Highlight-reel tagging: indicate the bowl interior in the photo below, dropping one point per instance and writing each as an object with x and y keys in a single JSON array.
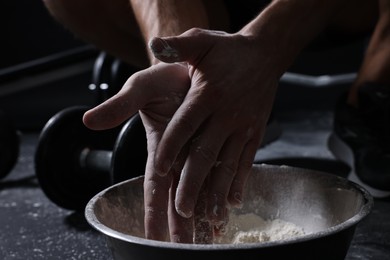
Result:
[{"x": 316, "y": 201}]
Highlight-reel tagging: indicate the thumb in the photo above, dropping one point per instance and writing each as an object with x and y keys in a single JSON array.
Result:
[
  {"x": 187, "y": 47},
  {"x": 106, "y": 115},
  {"x": 116, "y": 109}
]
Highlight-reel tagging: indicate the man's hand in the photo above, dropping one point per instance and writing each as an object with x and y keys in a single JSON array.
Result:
[
  {"x": 222, "y": 119},
  {"x": 156, "y": 93}
]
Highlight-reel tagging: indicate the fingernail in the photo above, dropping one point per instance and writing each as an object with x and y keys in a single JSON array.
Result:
[
  {"x": 164, "y": 169},
  {"x": 218, "y": 214},
  {"x": 220, "y": 229},
  {"x": 238, "y": 199},
  {"x": 182, "y": 209},
  {"x": 161, "y": 49},
  {"x": 183, "y": 213}
]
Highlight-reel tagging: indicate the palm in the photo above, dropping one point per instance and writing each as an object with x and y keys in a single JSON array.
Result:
[{"x": 156, "y": 93}]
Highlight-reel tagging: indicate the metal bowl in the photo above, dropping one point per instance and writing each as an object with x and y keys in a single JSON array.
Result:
[{"x": 326, "y": 206}]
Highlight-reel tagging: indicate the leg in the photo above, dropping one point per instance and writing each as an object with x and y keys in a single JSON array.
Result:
[
  {"x": 111, "y": 25},
  {"x": 376, "y": 64},
  {"x": 361, "y": 130}
]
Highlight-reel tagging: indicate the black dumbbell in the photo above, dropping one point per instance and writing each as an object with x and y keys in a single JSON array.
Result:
[
  {"x": 74, "y": 163},
  {"x": 108, "y": 76},
  {"x": 9, "y": 144}
]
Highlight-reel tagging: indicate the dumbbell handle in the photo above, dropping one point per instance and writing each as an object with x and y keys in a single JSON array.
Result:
[{"x": 97, "y": 160}]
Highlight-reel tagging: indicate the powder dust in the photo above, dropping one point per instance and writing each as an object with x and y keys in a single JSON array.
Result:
[{"x": 251, "y": 228}]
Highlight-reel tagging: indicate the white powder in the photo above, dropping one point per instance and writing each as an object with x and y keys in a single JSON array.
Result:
[{"x": 251, "y": 228}]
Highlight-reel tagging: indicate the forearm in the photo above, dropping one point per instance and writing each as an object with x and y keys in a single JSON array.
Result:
[
  {"x": 168, "y": 17},
  {"x": 285, "y": 27}
]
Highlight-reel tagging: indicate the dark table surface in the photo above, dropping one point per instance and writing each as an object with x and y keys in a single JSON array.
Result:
[{"x": 33, "y": 227}]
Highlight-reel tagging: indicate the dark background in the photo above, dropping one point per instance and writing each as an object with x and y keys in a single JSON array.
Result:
[{"x": 44, "y": 69}]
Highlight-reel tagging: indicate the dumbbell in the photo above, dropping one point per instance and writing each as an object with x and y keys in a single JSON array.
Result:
[
  {"x": 108, "y": 76},
  {"x": 74, "y": 163},
  {"x": 9, "y": 144}
]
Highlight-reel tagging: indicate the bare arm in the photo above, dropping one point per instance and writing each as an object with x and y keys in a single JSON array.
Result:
[
  {"x": 287, "y": 26},
  {"x": 264, "y": 49},
  {"x": 168, "y": 17}
]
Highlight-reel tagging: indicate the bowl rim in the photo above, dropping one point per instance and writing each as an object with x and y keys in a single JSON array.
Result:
[{"x": 345, "y": 225}]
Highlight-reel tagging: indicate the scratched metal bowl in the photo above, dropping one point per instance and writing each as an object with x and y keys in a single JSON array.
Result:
[{"x": 327, "y": 207}]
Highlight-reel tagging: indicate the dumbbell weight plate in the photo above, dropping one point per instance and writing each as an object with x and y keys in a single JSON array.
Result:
[
  {"x": 130, "y": 152},
  {"x": 101, "y": 74},
  {"x": 9, "y": 145},
  {"x": 57, "y": 159},
  {"x": 120, "y": 72}
]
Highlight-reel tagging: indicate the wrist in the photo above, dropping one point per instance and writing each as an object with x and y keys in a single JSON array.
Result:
[
  {"x": 168, "y": 18},
  {"x": 285, "y": 27}
]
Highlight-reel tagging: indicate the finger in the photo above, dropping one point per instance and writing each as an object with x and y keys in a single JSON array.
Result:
[
  {"x": 120, "y": 107},
  {"x": 220, "y": 230},
  {"x": 161, "y": 217},
  {"x": 156, "y": 205},
  {"x": 203, "y": 231},
  {"x": 180, "y": 228},
  {"x": 141, "y": 89},
  {"x": 222, "y": 176},
  {"x": 189, "y": 46},
  {"x": 183, "y": 125},
  {"x": 235, "y": 196},
  {"x": 156, "y": 195},
  {"x": 202, "y": 155}
]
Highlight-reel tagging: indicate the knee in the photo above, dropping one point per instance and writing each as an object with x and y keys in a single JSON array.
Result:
[
  {"x": 55, "y": 6},
  {"x": 68, "y": 12},
  {"x": 64, "y": 9}
]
